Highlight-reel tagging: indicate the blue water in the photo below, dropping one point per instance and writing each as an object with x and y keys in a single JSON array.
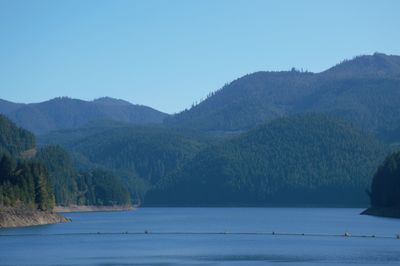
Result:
[{"x": 207, "y": 236}]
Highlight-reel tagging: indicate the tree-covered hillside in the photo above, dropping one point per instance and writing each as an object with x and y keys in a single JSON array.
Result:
[
  {"x": 364, "y": 91},
  {"x": 21, "y": 181},
  {"x": 308, "y": 159},
  {"x": 148, "y": 153},
  {"x": 62, "y": 174},
  {"x": 101, "y": 188},
  {"x": 385, "y": 189},
  {"x": 86, "y": 187},
  {"x": 140, "y": 155},
  {"x": 368, "y": 103},
  {"x": 14, "y": 140},
  {"x": 49, "y": 176}
]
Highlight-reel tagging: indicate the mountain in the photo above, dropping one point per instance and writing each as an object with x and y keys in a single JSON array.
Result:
[
  {"x": 66, "y": 113},
  {"x": 299, "y": 160},
  {"x": 364, "y": 91},
  {"x": 285, "y": 137}
]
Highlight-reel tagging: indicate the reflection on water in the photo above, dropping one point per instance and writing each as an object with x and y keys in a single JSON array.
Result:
[{"x": 207, "y": 236}]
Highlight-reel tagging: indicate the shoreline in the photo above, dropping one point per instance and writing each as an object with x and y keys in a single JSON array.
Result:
[
  {"x": 11, "y": 217},
  {"x": 382, "y": 212},
  {"x": 93, "y": 208}
]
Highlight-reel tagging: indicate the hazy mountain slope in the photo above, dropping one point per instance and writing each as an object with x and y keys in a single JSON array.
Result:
[
  {"x": 65, "y": 113},
  {"x": 308, "y": 159},
  {"x": 14, "y": 140},
  {"x": 67, "y": 137},
  {"x": 8, "y": 107},
  {"x": 365, "y": 91}
]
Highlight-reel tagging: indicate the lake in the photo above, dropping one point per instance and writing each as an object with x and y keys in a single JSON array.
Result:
[{"x": 207, "y": 236}]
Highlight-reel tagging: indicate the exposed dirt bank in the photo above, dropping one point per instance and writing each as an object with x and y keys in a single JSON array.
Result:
[{"x": 20, "y": 216}]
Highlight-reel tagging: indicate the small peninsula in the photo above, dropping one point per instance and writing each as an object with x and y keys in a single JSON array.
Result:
[{"x": 385, "y": 189}]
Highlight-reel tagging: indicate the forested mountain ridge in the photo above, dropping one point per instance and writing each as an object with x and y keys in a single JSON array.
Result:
[
  {"x": 65, "y": 113},
  {"x": 364, "y": 91},
  {"x": 299, "y": 160}
]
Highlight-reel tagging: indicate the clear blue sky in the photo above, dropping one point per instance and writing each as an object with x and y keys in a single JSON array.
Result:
[{"x": 168, "y": 54}]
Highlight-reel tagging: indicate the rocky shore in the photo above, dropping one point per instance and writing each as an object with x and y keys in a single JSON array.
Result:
[
  {"x": 19, "y": 217},
  {"x": 382, "y": 212},
  {"x": 90, "y": 208}
]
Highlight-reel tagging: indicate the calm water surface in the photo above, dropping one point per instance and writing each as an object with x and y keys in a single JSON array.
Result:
[{"x": 207, "y": 236}]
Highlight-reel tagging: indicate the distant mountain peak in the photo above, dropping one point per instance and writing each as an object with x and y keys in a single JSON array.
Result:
[
  {"x": 61, "y": 99},
  {"x": 102, "y": 100},
  {"x": 111, "y": 101},
  {"x": 378, "y": 64}
]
